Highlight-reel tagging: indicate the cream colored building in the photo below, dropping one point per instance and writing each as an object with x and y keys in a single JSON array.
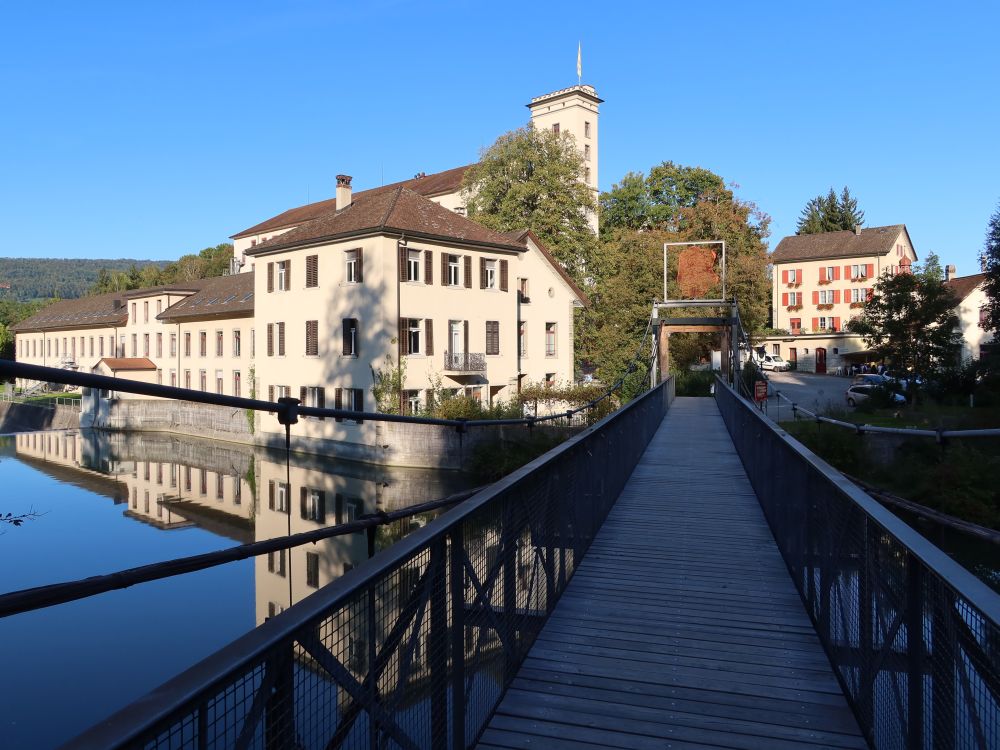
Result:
[
  {"x": 395, "y": 277},
  {"x": 821, "y": 281},
  {"x": 972, "y": 303}
]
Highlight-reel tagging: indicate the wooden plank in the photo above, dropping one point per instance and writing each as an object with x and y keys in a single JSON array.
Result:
[{"x": 681, "y": 626}]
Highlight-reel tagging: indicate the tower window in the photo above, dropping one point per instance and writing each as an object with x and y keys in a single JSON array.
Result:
[{"x": 586, "y": 129}]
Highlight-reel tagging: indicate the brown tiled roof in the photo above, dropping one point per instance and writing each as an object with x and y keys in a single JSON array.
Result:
[
  {"x": 180, "y": 287},
  {"x": 846, "y": 244},
  {"x": 963, "y": 286},
  {"x": 440, "y": 183},
  {"x": 85, "y": 312},
  {"x": 397, "y": 211},
  {"x": 222, "y": 296},
  {"x": 520, "y": 235},
  {"x": 129, "y": 363}
]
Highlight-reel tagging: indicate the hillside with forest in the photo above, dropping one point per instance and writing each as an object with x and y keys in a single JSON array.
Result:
[{"x": 29, "y": 279}]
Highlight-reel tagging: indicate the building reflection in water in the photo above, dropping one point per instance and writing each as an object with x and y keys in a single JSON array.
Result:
[{"x": 245, "y": 494}]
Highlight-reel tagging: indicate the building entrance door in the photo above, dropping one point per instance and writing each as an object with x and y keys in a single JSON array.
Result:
[{"x": 821, "y": 361}]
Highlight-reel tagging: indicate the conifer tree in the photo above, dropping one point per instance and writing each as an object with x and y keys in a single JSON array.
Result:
[{"x": 829, "y": 213}]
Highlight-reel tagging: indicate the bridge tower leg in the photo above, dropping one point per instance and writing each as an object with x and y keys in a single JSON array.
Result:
[{"x": 663, "y": 352}]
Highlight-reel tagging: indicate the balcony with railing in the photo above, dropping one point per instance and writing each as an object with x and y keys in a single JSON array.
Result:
[{"x": 464, "y": 362}]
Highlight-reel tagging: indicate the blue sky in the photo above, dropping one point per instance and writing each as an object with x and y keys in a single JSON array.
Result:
[{"x": 151, "y": 130}]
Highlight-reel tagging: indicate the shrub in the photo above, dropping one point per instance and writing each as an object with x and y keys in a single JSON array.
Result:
[
  {"x": 495, "y": 460},
  {"x": 697, "y": 383}
]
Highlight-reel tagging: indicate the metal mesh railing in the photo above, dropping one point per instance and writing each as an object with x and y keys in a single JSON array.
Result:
[
  {"x": 415, "y": 648},
  {"x": 913, "y": 637}
]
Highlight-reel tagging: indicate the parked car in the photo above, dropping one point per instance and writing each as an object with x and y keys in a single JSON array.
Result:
[
  {"x": 860, "y": 392},
  {"x": 773, "y": 362},
  {"x": 871, "y": 378}
]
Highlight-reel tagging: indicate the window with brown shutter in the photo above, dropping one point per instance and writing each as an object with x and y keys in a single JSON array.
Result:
[
  {"x": 428, "y": 267},
  {"x": 270, "y": 339},
  {"x": 503, "y": 276},
  {"x": 428, "y": 337},
  {"x": 312, "y": 338},
  {"x": 444, "y": 269},
  {"x": 482, "y": 273},
  {"x": 281, "y": 339},
  {"x": 270, "y": 393},
  {"x": 350, "y": 337},
  {"x": 338, "y": 401},
  {"x": 468, "y": 272},
  {"x": 270, "y": 277},
  {"x": 288, "y": 275},
  {"x": 492, "y": 336},
  {"x": 302, "y": 395},
  {"x": 312, "y": 270},
  {"x": 361, "y": 265}
]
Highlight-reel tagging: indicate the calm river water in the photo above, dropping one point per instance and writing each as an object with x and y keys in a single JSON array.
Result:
[{"x": 106, "y": 502}]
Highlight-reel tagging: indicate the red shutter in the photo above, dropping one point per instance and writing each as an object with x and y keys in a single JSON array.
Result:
[
  {"x": 503, "y": 276},
  {"x": 847, "y": 295},
  {"x": 815, "y": 324},
  {"x": 836, "y": 273},
  {"x": 836, "y": 296},
  {"x": 428, "y": 267},
  {"x": 784, "y": 277},
  {"x": 871, "y": 270},
  {"x": 784, "y": 299},
  {"x": 798, "y": 276},
  {"x": 815, "y": 298},
  {"x": 847, "y": 272},
  {"x": 429, "y": 336},
  {"x": 836, "y": 324},
  {"x": 822, "y": 273}
]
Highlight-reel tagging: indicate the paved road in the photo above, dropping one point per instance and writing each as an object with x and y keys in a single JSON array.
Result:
[{"x": 814, "y": 392}]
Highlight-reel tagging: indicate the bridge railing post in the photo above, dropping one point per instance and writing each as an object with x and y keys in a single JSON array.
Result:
[{"x": 456, "y": 581}]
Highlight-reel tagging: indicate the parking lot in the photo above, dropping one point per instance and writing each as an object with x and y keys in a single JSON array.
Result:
[{"x": 814, "y": 392}]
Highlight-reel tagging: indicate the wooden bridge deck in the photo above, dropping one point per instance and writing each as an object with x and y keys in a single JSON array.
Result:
[{"x": 682, "y": 627}]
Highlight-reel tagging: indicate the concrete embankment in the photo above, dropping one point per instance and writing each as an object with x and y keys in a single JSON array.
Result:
[{"x": 16, "y": 417}]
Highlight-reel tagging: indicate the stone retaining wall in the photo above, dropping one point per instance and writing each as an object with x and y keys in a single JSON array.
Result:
[{"x": 16, "y": 417}]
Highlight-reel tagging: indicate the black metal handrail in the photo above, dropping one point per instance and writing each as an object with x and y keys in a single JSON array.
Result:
[
  {"x": 415, "y": 647},
  {"x": 914, "y": 638}
]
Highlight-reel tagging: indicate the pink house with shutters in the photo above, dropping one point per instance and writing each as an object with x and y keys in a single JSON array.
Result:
[{"x": 821, "y": 281}]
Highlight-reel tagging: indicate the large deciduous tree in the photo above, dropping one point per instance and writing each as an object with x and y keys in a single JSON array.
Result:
[
  {"x": 830, "y": 213},
  {"x": 989, "y": 259},
  {"x": 675, "y": 204},
  {"x": 910, "y": 322},
  {"x": 532, "y": 179}
]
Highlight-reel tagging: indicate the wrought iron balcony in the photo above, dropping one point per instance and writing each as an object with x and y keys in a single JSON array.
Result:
[{"x": 464, "y": 362}]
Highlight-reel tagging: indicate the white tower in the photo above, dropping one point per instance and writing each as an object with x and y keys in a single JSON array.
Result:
[{"x": 573, "y": 110}]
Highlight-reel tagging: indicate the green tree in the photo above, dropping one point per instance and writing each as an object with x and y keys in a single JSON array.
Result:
[
  {"x": 210, "y": 262},
  {"x": 627, "y": 272},
  {"x": 6, "y": 343},
  {"x": 531, "y": 178},
  {"x": 910, "y": 322},
  {"x": 830, "y": 213},
  {"x": 931, "y": 268},
  {"x": 989, "y": 259},
  {"x": 655, "y": 202}
]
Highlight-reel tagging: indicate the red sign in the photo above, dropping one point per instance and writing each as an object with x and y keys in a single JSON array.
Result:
[{"x": 760, "y": 390}]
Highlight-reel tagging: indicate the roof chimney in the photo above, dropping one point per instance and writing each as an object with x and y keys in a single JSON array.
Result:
[
  {"x": 857, "y": 230},
  {"x": 343, "y": 191},
  {"x": 949, "y": 272}
]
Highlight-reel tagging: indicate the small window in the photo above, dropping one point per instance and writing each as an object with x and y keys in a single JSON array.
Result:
[
  {"x": 237, "y": 344},
  {"x": 550, "y": 339},
  {"x": 203, "y": 380},
  {"x": 312, "y": 570},
  {"x": 276, "y": 562},
  {"x": 776, "y": 349},
  {"x": 218, "y": 343},
  {"x": 795, "y": 324},
  {"x": 202, "y": 343},
  {"x": 413, "y": 265},
  {"x": 492, "y": 336},
  {"x": 586, "y": 152},
  {"x": 413, "y": 335},
  {"x": 350, "y": 336},
  {"x": 284, "y": 272},
  {"x": 237, "y": 383},
  {"x": 586, "y": 129},
  {"x": 454, "y": 271},
  {"x": 412, "y": 402},
  {"x": 792, "y": 276},
  {"x": 352, "y": 273},
  {"x": 489, "y": 271},
  {"x": 555, "y": 128}
]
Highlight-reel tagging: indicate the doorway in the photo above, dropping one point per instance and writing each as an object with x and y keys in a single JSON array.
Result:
[{"x": 821, "y": 361}]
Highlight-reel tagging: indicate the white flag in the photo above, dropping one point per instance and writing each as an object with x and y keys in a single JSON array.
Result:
[{"x": 579, "y": 62}]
